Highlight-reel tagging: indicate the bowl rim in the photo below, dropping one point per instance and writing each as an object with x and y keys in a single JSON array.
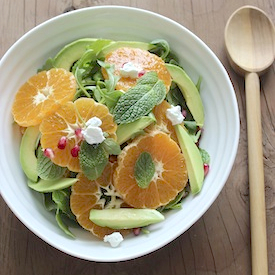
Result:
[{"x": 230, "y": 163}]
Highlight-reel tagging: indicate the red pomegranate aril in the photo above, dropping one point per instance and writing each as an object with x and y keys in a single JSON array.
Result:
[
  {"x": 62, "y": 143},
  {"x": 136, "y": 231},
  {"x": 48, "y": 152},
  {"x": 75, "y": 151},
  {"x": 205, "y": 168},
  {"x": 78, "y": 133},
  {"x": 141, "y": 73}
]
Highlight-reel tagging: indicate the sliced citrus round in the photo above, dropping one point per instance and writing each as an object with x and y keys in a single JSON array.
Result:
[
  {"x": 162, "y": 122},
  {"x": 141, "y": 59},
  {"x": 97, "y": 194},
  {"x": 42, "y": 95},
  {"x": 170, "y": 176},
  {"x": 61, "y": 131}
]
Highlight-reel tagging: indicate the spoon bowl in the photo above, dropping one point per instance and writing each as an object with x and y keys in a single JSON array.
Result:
[{"x": 249, "y": 41}]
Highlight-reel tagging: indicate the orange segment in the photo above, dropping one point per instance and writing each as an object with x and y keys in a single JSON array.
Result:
[
  {"x": 140, "y": 59},
  {"x": 170, "y": 171},
  {"x": 87, "y": 195},
  {"x": 42, "y": 95},
  {"x": 65, "y": 121},
  {"x": 162, "y": 122}
]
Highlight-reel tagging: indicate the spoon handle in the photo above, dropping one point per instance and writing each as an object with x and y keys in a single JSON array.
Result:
[{"x": 256, "y": 176}]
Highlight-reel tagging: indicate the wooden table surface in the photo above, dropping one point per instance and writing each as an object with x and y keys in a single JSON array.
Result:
[{"x": 219, "y": 243}]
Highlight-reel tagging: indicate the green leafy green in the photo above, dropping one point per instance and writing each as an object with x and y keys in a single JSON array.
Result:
[
  {"x": 161, "y": 48},
  {"x": 93, "y": 159},
  {"x": 140, "y": 99},
  {"x": 62, "y": 200},
  {"x": 205, "y": 156},
  {"x": 104, "y": 91},
  {"x": 60, "y": 221},
  {"x": 111, "y": 146},
  {"x": 176, "y": 203},
  {"x": 144, "y": 169},
  {"x": 46, "y": 169}
]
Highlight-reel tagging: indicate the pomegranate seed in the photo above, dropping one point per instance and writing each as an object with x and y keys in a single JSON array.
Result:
[
  {"x": 78, "y": 133},
  {"x": 184, "y": 113},
  {"x": 136, "y": 231},
  {"x": 48, "y": 152},
  {"x": 62, "y": 143},
  {"x": 141, "y": 73},
  {"x": 75, "y": 151},
  {"x": 205, "y": 168}
]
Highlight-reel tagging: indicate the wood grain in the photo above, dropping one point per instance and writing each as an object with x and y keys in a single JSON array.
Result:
[{"x": 219, "y": 243}]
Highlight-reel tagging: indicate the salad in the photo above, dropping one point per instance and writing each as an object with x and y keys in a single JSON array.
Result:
[{"x": 110, "y": 135}]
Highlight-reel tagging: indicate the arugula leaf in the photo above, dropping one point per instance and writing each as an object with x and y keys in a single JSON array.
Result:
[
  {"x": 59, "y": 219},
  {"x": 144, "y": 170},
  {"x": 46, "y": 169},
  {"x": 62, "y": 200},
  {"x": 161, "y": 48},
  {"x": 140, "y": 99},
  {"x": 93, "y": 159}
]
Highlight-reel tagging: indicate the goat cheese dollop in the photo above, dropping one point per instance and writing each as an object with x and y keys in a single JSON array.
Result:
[
  {"x": 175, "y": 115},
  {"x": 114, "y": 239},
  {"x": 130, "y": 70},
  {"x": 93, "y": 134}
]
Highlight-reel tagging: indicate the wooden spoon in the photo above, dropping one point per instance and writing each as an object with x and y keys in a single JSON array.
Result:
[{"x": 249, "y": 40}]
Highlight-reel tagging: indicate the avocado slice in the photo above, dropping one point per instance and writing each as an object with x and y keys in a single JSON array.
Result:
[
  {"x": 193, "y": 159},
  {"x": 46, "y": 186},
  {"x": 130, "y": 130},
  {"x": 28, "y": 158},
  {"x": 189, "y": 91},
  {"x": 125, "y": 218},
  {"x": 119, "y": 44},
  {"x": 73, "y": 51}
]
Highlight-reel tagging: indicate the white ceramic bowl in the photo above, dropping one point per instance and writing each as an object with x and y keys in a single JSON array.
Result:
[{"x": 220, "y": 137}]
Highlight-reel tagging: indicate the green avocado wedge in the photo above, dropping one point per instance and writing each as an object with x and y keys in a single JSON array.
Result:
[
  {"x": 130, "y": 130},
  {"x": 193, "y": 159},
  {"x": 72, "y": 52},
  {"x": 189, "y": 91},
  {"x": 28, "y": 159},
  {"x": 46, "y": 186},
  {"x": 125, "y": 218}
]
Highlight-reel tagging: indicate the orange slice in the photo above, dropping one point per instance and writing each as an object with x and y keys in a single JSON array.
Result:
[
  {"x": 87, "y": 195},
  {"x": 140, "y": 59},
  {"x": 170, "y": 171},
  {"x": 42, "y": 95},
  {"x": 66, "y": 123},
  {"x": 162, "y": 122}
]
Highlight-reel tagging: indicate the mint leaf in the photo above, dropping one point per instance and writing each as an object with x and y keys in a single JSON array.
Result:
[
  {"x": 144, "y": 170},
  {"x": 140, "y": 99},
  {"x": 46, "y": 169},
  {"x": 205, "y": 156},
  {"x": 93, "y": 159},
  {"x": 111, "y": 146}
]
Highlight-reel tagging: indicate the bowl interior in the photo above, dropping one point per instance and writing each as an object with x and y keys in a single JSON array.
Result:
[{"x": 220, "y": 136}]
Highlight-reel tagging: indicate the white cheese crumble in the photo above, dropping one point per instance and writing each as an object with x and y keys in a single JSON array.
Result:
[
  {"x": 130, "y": 70},
  {"x": 175, "y": 115},
  {"x": 93, "y": 134},
  {"x": 114, "y": 239}
]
